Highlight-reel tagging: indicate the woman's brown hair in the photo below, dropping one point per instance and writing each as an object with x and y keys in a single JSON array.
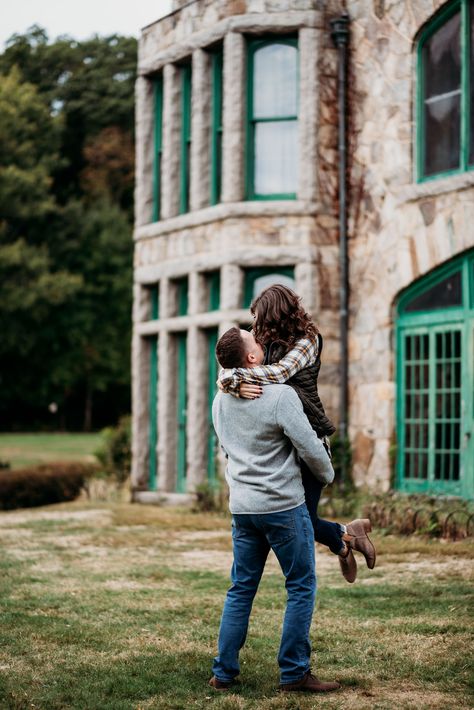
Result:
[{"x": 279, "y": 315}]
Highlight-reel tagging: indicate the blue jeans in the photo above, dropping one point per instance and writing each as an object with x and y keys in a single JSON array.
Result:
[
  {"x": 325, "y": 532},
  {"x": 290, "y": 535}
]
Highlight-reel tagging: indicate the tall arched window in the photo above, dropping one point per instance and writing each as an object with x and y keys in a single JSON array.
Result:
[
  {"x": 435, "y": 382},
  {"x": 272, "y": 125},
  {"x": 445, "y": 106}
]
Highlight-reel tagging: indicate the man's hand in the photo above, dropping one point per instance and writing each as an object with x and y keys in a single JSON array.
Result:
[{"x": 247, "y": 391}]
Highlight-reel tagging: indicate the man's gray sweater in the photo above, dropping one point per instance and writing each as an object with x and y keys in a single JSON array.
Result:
[{"x": 261, "y": 439}]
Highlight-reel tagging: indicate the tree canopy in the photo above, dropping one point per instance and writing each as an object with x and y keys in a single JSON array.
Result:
[{"x": 66, "y": 203}]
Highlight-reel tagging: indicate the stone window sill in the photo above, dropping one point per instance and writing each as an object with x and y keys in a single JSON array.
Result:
[
  {"x": 276, "y": 208},
  {"x": 433, "y": 188}
]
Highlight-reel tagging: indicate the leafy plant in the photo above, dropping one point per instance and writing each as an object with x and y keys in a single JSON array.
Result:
[
  {"x": 115, "y": 454},
  {"x": 43, "y": 485}
]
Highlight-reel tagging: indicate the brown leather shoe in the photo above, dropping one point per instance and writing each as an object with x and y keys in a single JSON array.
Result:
[
  {"x": 348, "y": 565},
  {"x": 357, "y": 539},
  {"x": 222, "y": 685},
  {"x": 309, "y": 684}
]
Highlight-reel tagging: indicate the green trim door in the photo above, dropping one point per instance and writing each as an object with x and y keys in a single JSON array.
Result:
[
  {"x": 152, "y": 413},
  {"x": 211, "y": 335},
  {"x": 435, "y": 382},
  {"x": 182, "y": 403}
]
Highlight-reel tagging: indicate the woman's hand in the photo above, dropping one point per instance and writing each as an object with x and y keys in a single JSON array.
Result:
[{"x": 250, "y": 391}]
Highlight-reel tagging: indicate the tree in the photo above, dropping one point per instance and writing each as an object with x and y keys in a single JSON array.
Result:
[
  {"x": 29, "y": 143},
  {"x": 66, "y": 199},
  {"x": 89, "y": 84}
]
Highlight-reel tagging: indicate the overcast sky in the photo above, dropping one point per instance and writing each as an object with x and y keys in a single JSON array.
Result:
[{"x": 80, "y": 18}]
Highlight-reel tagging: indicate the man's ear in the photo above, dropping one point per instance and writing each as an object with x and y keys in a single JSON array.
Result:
[{"x": 251, "y": 358}]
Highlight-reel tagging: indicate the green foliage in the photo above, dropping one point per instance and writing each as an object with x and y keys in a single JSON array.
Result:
[
  {"x": 420, "y": 514},
  {"x": 211, "y": 498},
  {"x": 89, "y": 84},
  {"x": 29, "y": 143},
  {"x": 115, "y": 453},
  {"x": 341, "y": 453},
  {"x": 66, "y": 199},
  {"x": 42, "y": 485}
]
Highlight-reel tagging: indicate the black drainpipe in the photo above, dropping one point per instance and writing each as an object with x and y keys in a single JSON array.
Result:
[{"x": 340, "y": 37}]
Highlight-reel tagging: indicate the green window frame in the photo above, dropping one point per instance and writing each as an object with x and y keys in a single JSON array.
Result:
[
  {"x": 181, "y": 286},
  {"x": 181, "y": 414},
  {"x": 212, "y": 442},
  {"x": 152, "y": 413},
  {"x": 154, "y": 302},
  {"x": 466, "y": 163},
  {"x": 158, "y": 146},
  {"x": 216, "y": 126},
  {"x": 435, "y": 384},
  {"x": 186, "y": 92},
  {"x": 251, "y": 275},
  {"x": 252, "y": 122},
  {"x": 213, "y": 283}
]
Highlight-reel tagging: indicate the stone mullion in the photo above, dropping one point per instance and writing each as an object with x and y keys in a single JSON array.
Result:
[
  {"x": 197, "y": 378},
  {"x": 140, "y": 418},
  {"x": 233, "y": 143},
  {"x": 196, "y": 294},
  {"x": 308, "y": 44},
  {"x": 144, "y": 128},
  {"x": 305, "y": 284},
  {"x": 171, "y": 141},
  {"x": 200, "y": 129},
  {"x": 232, "y": 286},
  {"x": 167, "y": 416}
]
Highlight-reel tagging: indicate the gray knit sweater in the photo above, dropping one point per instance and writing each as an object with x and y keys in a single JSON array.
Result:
[{"x": 261, "y": 439}]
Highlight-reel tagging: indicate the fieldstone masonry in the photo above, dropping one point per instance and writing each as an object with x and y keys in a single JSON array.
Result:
[{"x": 399, "y": 230}]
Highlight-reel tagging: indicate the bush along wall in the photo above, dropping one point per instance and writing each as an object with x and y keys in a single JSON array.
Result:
[{"x": 43, "y": 485}]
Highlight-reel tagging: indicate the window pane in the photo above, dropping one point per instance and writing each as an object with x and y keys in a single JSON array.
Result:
[
  {"x": 442, "y": 134},
  {"x": 264, "y": 282},
  {"x": 443, "y": 294},
  {"x": 441, "y": 56},
  {"x": 276, "y": 158},
  {"x": 275, "y": 81},
  {"x": 442, "y": 59}
]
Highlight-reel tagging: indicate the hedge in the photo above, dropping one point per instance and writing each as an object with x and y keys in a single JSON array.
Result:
[{"x": 43, "y": 485}]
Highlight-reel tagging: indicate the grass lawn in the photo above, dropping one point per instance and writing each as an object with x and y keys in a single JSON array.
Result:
[
  {"x": 117, "y": 607},
  {"x": 31, "y": 449}
]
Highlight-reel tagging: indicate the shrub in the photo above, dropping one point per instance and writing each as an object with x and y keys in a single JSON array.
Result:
[
  {"x": 212, "y": 497},
  {"x": 43, "y": 485},
  {"x": 399, "y": 513},
  {"x": 115, "y": 454},
  {"x": 341, "y": 453}
]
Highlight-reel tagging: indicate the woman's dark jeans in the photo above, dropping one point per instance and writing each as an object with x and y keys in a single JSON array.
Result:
[{"x": 326, "y": 533}]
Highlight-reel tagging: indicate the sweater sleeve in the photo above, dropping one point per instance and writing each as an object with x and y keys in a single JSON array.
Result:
[
  {"x": 304, "y": 353},
  {"x": 295, "y": 425}
]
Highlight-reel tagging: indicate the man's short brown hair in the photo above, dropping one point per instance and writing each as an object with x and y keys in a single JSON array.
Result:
[{"x": 230, "y": 349}]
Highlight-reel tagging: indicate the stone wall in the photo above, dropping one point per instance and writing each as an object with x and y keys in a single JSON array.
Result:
[{"x": 399, "y": 230}]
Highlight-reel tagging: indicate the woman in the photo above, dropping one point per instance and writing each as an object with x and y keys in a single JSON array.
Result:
[{"x": 293, "y": 349}]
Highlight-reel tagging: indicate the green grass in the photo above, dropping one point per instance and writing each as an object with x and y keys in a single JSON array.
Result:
[
  {"x": 31, "y": 449},
  {"x": 117, "y": 607}
]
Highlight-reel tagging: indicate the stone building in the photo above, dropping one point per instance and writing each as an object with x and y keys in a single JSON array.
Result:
[{"x": 237, "y": 187}]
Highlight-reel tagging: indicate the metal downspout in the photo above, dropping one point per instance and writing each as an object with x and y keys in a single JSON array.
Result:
[{"x": 340, "y": 37}]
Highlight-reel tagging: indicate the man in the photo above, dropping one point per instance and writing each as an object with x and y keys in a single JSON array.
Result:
[{"x": 261, "y": 439}]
